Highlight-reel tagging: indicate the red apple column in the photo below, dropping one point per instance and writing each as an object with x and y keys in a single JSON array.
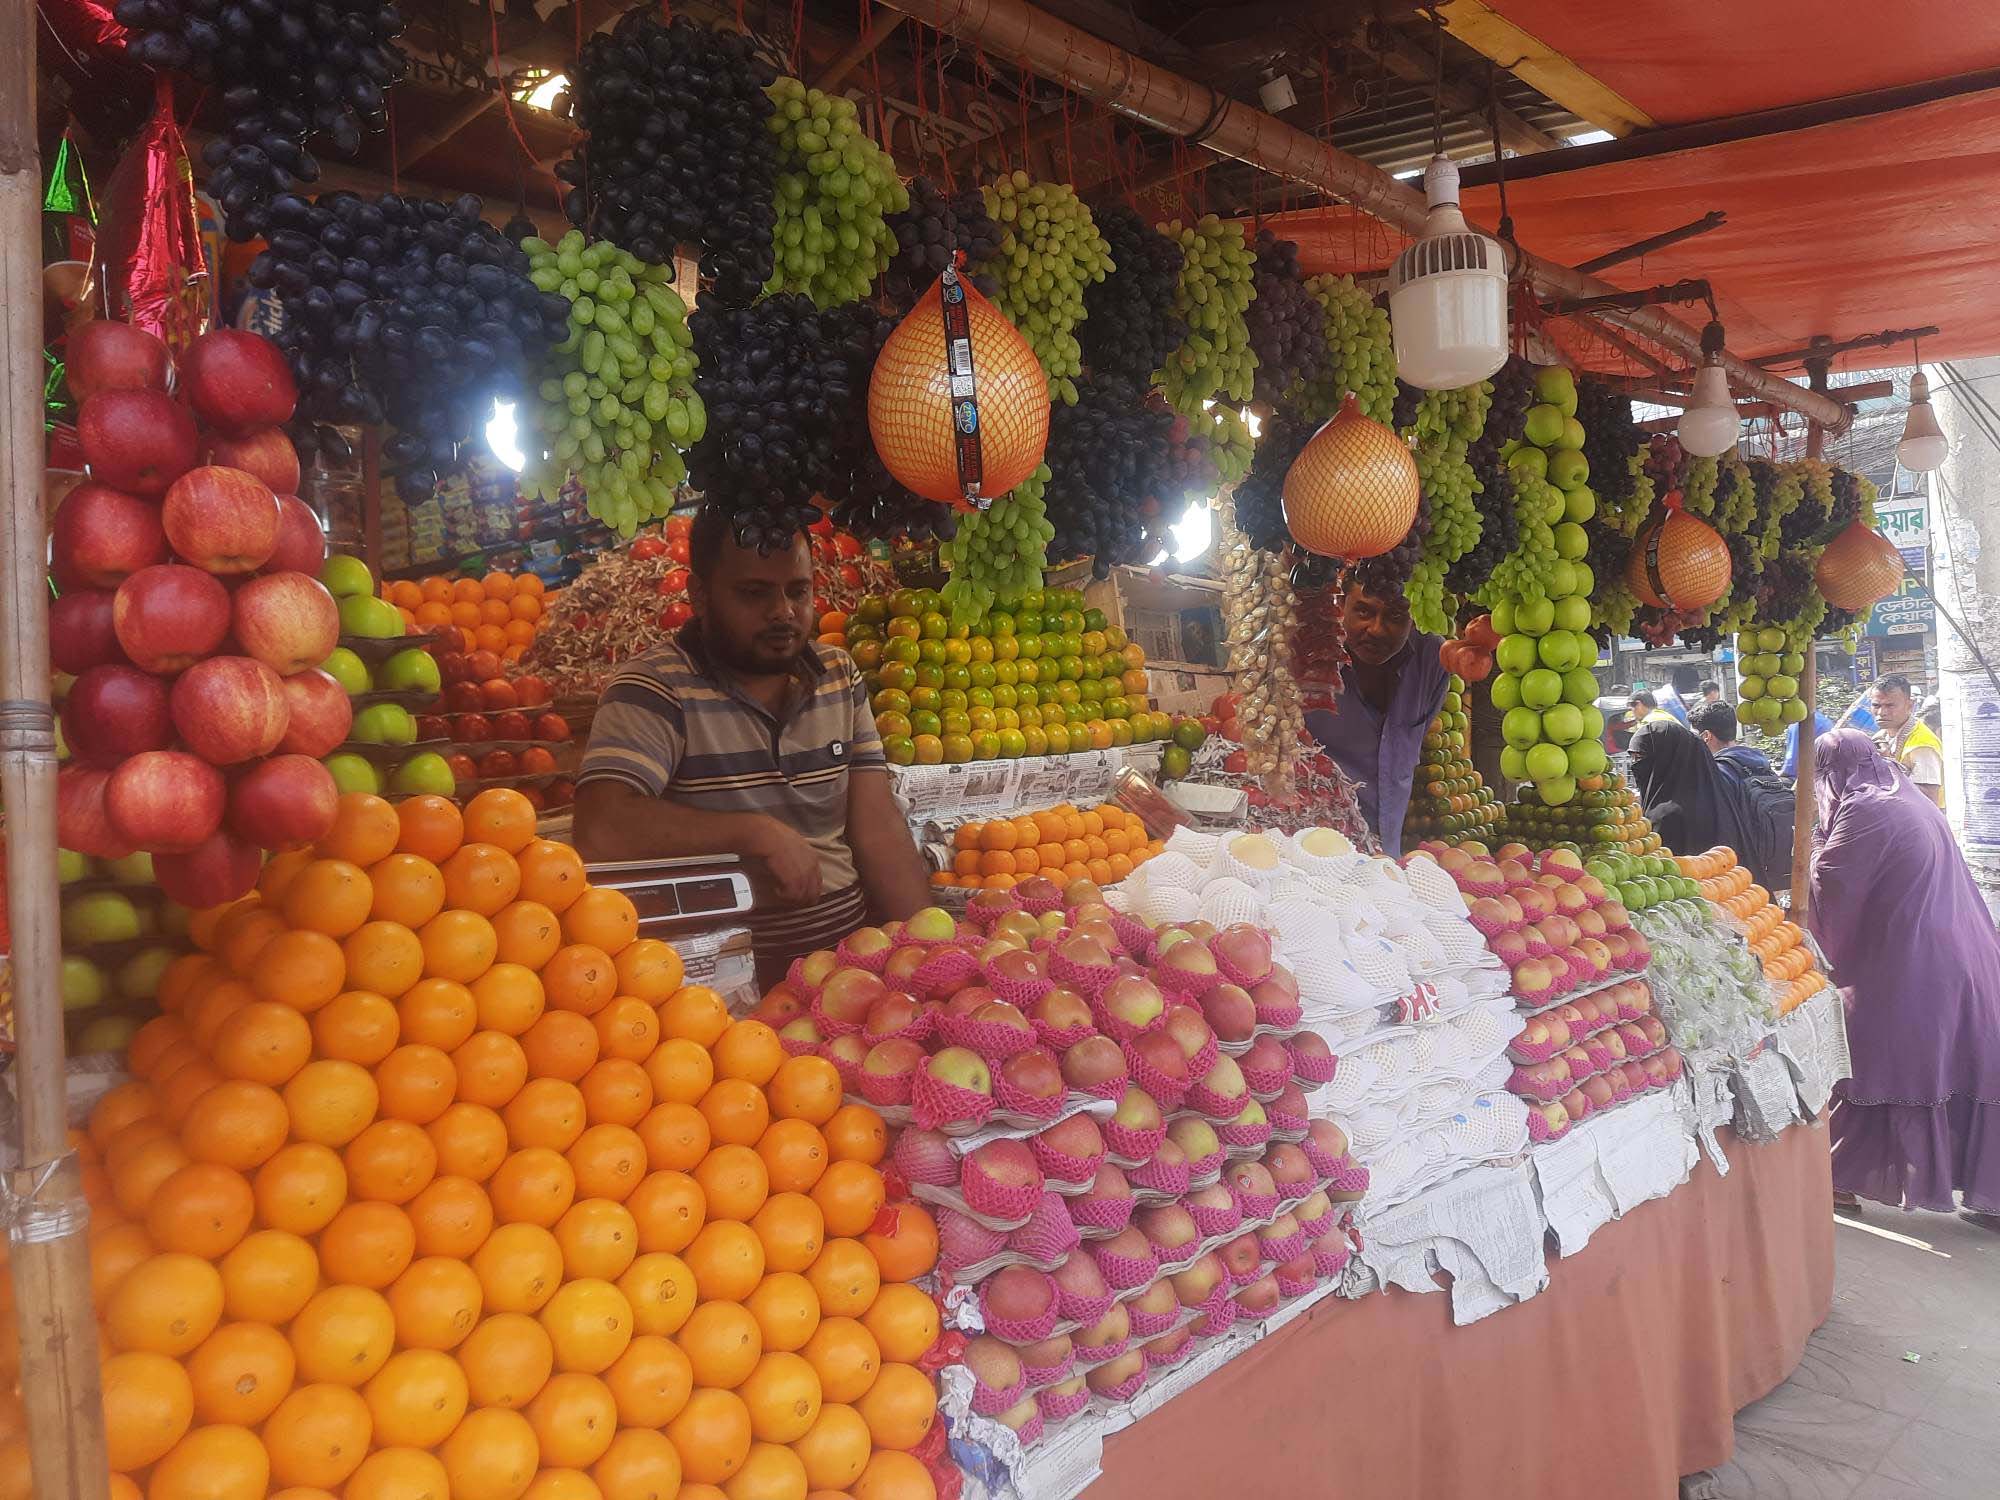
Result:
[{"x": 48, "y": 1252}]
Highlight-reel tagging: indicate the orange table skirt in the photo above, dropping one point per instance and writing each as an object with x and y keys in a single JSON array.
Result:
[{"x": 1624, "y": 1374}]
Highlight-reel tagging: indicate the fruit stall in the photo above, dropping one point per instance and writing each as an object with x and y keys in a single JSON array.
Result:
[{"x": 364, "y": 1141}]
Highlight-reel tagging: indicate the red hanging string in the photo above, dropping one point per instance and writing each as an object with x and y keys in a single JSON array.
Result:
[
  {"x": 500, "y": 78},
  {"x": 1021, "y": 112},
  {"x": 1069, "y": 108},
  {"x": 666, "y": 11},
  {"x": 798, "y": 35},
  {"x": 982, "y": 72},
  {"x": 395, "y": 167}
]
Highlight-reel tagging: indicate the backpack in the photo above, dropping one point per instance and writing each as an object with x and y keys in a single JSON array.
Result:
[{"x": 1771, "y": 805}]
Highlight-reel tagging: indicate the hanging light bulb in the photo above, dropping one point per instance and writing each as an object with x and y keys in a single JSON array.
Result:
[
  {"x": 1448, "y": 295},
  {"x": 1923, "y": 446},
  {"x": 1709, "y": 425}
]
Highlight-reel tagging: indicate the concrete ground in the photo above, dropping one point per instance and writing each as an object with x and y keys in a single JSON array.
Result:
[{"x": 1898, "y": 1397}]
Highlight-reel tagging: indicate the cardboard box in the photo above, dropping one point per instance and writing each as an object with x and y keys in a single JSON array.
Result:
[
  {"x": 1175, "y": 618},
  {"x": 1182, "y": 690}
]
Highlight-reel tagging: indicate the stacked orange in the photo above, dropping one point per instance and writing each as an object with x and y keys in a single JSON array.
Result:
[
  {"x": 833, "y": 628},
  {"x": 436, "y": 1182},
  {"x": 501, "y": 612},
  {"x": 1104, "y": 844},
  {"x": 1779, "y": 944}
]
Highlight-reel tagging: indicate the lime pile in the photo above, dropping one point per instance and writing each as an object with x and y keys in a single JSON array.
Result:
[
  {"x": 1039, "y": 674},
  {"x": 1603, "y": 819}
]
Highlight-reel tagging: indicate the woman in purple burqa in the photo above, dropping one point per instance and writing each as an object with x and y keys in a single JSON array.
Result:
[{"x": 1918, "y": 963}]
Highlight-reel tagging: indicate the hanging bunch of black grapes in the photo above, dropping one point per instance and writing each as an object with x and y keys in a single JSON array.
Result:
[
  {"x": 862, "y": 495},
  {"x": 679, "y": 149},
  {"x": 928, "y": 231},
  {"x": 286, "y": 72},
  {"x": 1129, "y": 326},
  {"x": 777, "y": 380},
  {"x": 1114, "y": 483},
  {"x": 1260, "y": 494},
  {"x": 1408, "y": 399},
  {"x": 1618, "y": 454},
  {"x": 1512, "y": 393},
  {"x": 1287, "y": 324},
  {"x": 1311, "y": 572},
  {"x": 1805, "y": 525},
  {"x": 1387, "y": 573},
  {"x": 409, "y": 311},
  {"x": 1847, "y": 502},
  {"x": 1784, "y": 589}
]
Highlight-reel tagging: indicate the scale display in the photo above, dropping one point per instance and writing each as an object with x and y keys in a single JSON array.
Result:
[{"x": 679, "y": 893}]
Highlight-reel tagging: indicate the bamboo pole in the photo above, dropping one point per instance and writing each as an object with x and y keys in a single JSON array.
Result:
[
  {"x": 1805, "y": 807},
  {"x": 47, "y": 1216}
]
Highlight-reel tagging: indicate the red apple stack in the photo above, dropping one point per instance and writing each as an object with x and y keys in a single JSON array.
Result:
[{"x": 191, "y": 614}]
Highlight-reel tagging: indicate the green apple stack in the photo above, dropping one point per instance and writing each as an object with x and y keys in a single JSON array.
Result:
[
  {"x": 1641, "y": 880},
  {"x": 119, "y": 934},
  {"x": 1769, "y": 659},
  {"x": 412, "y": 670},
  {"x": 1039, "y": 674},
  {"x": 1540, "y": 597},
  {"x": 1449, "y": 799}
]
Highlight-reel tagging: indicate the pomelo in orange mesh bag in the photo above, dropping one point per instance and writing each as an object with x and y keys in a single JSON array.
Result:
[
  {"x": 1352, "y": 491},
  {"x": 1679, "y": 562},
  {"x": 918, "y": 422},
  {"x": 1858, "y": 568}
]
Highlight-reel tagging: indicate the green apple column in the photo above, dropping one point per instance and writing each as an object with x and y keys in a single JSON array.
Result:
[{"x": 46, "y": 1230}]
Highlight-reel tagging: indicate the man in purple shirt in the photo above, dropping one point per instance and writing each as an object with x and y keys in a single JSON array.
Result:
[{"x": 1391, "y": 689}]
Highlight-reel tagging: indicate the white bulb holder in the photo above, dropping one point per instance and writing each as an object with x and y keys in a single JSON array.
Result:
[
  {"x": 1923, "y": 446},
  {"x": 1709, "y": 424},
  {"x": 1448, "y": 295}
]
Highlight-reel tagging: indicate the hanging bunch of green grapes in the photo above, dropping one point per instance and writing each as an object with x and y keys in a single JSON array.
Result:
[
  {"x": 618, "y": 404},
  {"x": 1735, "y": 496},
  {"x": 1525, "y": 572},
  {"x": 1786, "y": 495},
  {"x": 1698, "y": 487},
  {"x": 1002, "y": 550},
  {"x": 1360, "y": 356},
  {"x": 1050, "y": 252},
  {"x": 835, "y": 187},
  {"x": 1447, "y": 423},
  {"x": 1218, "y": 281},
  {"x": 1230, "y": 445}
]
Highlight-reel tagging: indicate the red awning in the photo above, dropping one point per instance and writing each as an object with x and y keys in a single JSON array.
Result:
[
  {"x": 1892, "y": 221},
  {"x": 1707, "y": 59}
]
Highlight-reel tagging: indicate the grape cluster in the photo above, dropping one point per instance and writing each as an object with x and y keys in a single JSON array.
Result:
[
  {"x": 1130, "y": 326},
  {"x": 862, "y": 496},
  {"x": 1805, "y": 526},
  {"x": 1287, "y": 328},
  {"x": 928, "y": 231},
  {"x": 835, "y": 188},
  {"x": 1509, "y": 394},
  {"x": 618, "y": 400},
  {"x": 678, "y": 150},
  {"x": 1260, "y": 495},
  {"x": 1443, "y": 429},
  {"x": 1785, "y": 590},
  {"x": 1525, "y": 571},
  {"x": 1049, "y": 255},
  {"x": 1002, "y": 550},
  {"x": 285, "y": 73},
  {"x": 1359, "y": 354},
  {"x": 405, "y": 310},
  {"x": 778, "y": 380},
  {"x": 1115, "y": 483},
  {"x": 1847, "y": 501},
  {"x": 1389, "y": 572},
  {"x": 1665, "y": 464},
  {"x": 1214, "y": 361},
  {"x": 1616, "y": 450}
]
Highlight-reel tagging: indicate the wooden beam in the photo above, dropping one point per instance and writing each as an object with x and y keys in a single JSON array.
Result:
[
  {"x": 469, "y": 109},
  {"x": 1529, "y": 59},
  {"x": 862, "y": 48},
  {"x": 1759, "y": 123}
]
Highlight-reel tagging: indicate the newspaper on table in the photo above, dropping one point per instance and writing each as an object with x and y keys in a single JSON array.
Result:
[
  {"x": 985, "y": 788},
  {"x": 1766, "y": 1098},
  {"x": 1609, "y": 1164},
  {"x": 1482, "y": 1227},
  {"x": 1813, "y": 1042}
]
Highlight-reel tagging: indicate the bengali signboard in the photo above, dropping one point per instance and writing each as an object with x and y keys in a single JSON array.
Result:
[{"x": 1908, "y": 611}]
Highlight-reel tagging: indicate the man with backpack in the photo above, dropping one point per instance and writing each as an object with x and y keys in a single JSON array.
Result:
[{"x": 1771, "y": 796}]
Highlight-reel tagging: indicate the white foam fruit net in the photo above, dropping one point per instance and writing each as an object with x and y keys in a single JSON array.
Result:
[
  {"x": 1379, "y": 964},
  {"x": 1328, "y": 982},
  {"x": 1229, "y": 900},
  {"x": 1432, "y": 884},
  {"x": 1164, "y": 906},
  {"x": 1190, "y": 845},
  {"x": 1171, "y": 868}
]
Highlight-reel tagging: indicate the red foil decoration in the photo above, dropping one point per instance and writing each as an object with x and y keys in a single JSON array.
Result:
[
  {"x": 149, "y": 251},
  {"x": 85, "y": 25}
]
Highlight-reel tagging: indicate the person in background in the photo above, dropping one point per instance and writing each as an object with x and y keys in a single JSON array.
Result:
[
  {"x": 741, "y": 735},
  {"x": 1773, "y": 804},
  {"x": 1711, "y": 692},
  {"x": 1683, "y": 687},
  {"x": 1391, "y": 687},
  {"x": 1617, "y": 728},
  {"x": 1692, "y": 804},
  {"x": 1905, "y": 738},
  {"x": 1716, "y": 724},
  {"x": 1644, "y": 709},
  {"x": 1913, "y": 949},
  {"x": 1821, "y": 724}
]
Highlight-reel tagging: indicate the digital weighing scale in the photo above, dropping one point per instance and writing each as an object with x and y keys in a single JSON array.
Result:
[{"x": 679, "y": 897}]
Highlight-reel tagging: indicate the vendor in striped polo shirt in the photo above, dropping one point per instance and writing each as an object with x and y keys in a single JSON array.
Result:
[{"x": 742, "y": 735}]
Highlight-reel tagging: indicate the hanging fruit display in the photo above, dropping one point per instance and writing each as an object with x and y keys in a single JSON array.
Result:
[
  {"x": 835, "y": 187},
  {"x": 1050, "y": 254},
  {"x": 1353, "y": 490},
  {"x": 1259, "y": 617},
  {"x": 1860, "y": 567},
  {"x": 1212, "y": 373},
  {"x": 1678, "y": 563},
  {"x": 1361, "y": 360}
]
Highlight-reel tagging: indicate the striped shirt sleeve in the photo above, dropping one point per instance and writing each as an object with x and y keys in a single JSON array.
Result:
[
  {"x": 638, "y": 735},
  {"x": 864, "y": 739}
]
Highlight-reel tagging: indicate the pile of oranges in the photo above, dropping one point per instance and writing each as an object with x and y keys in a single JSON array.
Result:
[
  {"x": 434, "y": 1181},
  {"x": 1778, "y": 943},
  {"x": 1103, "y": 844},
  {"x": 501, "y": 612}
]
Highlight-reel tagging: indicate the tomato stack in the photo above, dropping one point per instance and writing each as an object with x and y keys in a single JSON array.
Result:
[{"x": 436, "y": 1182}]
